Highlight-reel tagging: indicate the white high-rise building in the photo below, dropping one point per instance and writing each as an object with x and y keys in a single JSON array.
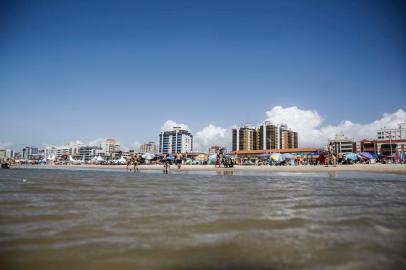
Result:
[{"x": 176, "y": 140}]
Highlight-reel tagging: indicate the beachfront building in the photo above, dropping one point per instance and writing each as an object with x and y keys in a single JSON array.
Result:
[
  {"x": 6, "y": 154},
  {"x": 111, "y": 146},
  {"x": 86, "y": 152},
  {"x": 29, "y": 152},
  {"x": 244, "y": 138},
  {"x": 398, "y": 133},
  {"x": 3, "y": 155},
  {"x": 266, "y": 136},
  {"x": 287, "y": 138},
  {"x": 149, "y": 147},
  {"x": 175, "y": 140},
  {"x": 57, "y": 151},
  {"x": 343, "y": 144},
  {"x": 384, "y": 147}
]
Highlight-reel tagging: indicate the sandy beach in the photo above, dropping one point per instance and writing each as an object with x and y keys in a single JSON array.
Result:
[{"x": 375, "y": 168}]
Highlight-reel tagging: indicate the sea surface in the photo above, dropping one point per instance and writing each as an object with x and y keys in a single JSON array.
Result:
[{"x": 84, "y": 219}]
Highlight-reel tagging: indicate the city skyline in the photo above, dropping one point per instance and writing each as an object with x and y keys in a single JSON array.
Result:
[{"x": 127, "y": 70}]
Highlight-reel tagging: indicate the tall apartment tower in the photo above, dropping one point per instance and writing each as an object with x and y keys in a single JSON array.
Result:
[
  {"x": 266, "y": 136},
  {"x": 176, "y": 140},
  {"x": 244, "y": 138}
]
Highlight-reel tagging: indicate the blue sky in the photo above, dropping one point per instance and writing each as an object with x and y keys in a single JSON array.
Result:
[{"x": 90, "y": 69}]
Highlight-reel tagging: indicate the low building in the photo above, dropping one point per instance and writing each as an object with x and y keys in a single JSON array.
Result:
[
  {"x": 86, "y": 153},
  {"x": 383, "y": 147},
  {"x": 343, "y": 144}
]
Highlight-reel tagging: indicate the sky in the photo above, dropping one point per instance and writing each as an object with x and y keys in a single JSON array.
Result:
[{"x": 87, "y": 70}]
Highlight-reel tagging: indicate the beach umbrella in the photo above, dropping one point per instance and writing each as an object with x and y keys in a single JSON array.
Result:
[
  {"x": 148, "y": 156},
  {"x": 189, "y": 161},
  {"x": 366, "y": 155},
  {"x": 287, "y": 156},
  {"x": 212, "y": 159},
  {"x": 277, "y": 157},
  {"x": 351, "y": 156}
]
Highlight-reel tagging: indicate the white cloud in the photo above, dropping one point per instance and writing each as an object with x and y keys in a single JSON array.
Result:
[
  {"x": 211, "y": 135},
  {"x": 169, "y": 124},
  {"x": 308, "y": 124}
]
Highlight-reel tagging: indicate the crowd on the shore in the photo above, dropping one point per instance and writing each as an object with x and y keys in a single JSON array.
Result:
[{"x": 226, "y": 160}]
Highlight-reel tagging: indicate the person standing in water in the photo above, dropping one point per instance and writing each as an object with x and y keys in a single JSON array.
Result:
[
  {"x": 136, "y": 162},
  {"x": 166, "y": 164}
]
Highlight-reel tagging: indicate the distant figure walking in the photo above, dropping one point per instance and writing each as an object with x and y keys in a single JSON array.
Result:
[
  {"x": 136, "y": 162},
  {"x": 129, "y": 163},
  {"x": 166, "y": 164},
  {"x": 331, "y": 154},
  {"x": 178, "y": 158},
  {"x": 218, "y": 159}
]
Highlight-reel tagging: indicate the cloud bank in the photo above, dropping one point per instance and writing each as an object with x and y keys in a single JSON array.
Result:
[
  {"x": 308, "y": 124},
  {"x": 211, "y": 135}
]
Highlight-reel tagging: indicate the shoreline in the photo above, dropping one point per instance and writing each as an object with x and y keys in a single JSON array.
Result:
[{"x": 371, "y": 168}]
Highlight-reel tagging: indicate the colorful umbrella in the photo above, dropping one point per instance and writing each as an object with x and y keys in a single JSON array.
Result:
[
  {"x": 351, "y": 156},
  {"x": 366, "y": 155},
  {"x": 277, "y": 157}
]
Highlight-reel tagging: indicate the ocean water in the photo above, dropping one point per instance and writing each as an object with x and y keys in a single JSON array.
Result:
[{"x": 84, "y": 219}]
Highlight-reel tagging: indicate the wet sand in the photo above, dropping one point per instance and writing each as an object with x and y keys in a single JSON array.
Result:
[{"x": 372, "y": 168}]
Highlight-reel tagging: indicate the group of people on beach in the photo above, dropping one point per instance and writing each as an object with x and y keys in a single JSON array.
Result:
[{"x": 134, "y": 161}]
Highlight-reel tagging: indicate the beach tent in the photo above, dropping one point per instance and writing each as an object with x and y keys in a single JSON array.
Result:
[
  {"x": 170, "y": 158},
  {"x": 51, "y": 157},
  {"x": 189, "y": 161},
  {"x": 122, "y": 160},
  {"x": 100, "y": 159},
  {"x": 148, "y": 156}
]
